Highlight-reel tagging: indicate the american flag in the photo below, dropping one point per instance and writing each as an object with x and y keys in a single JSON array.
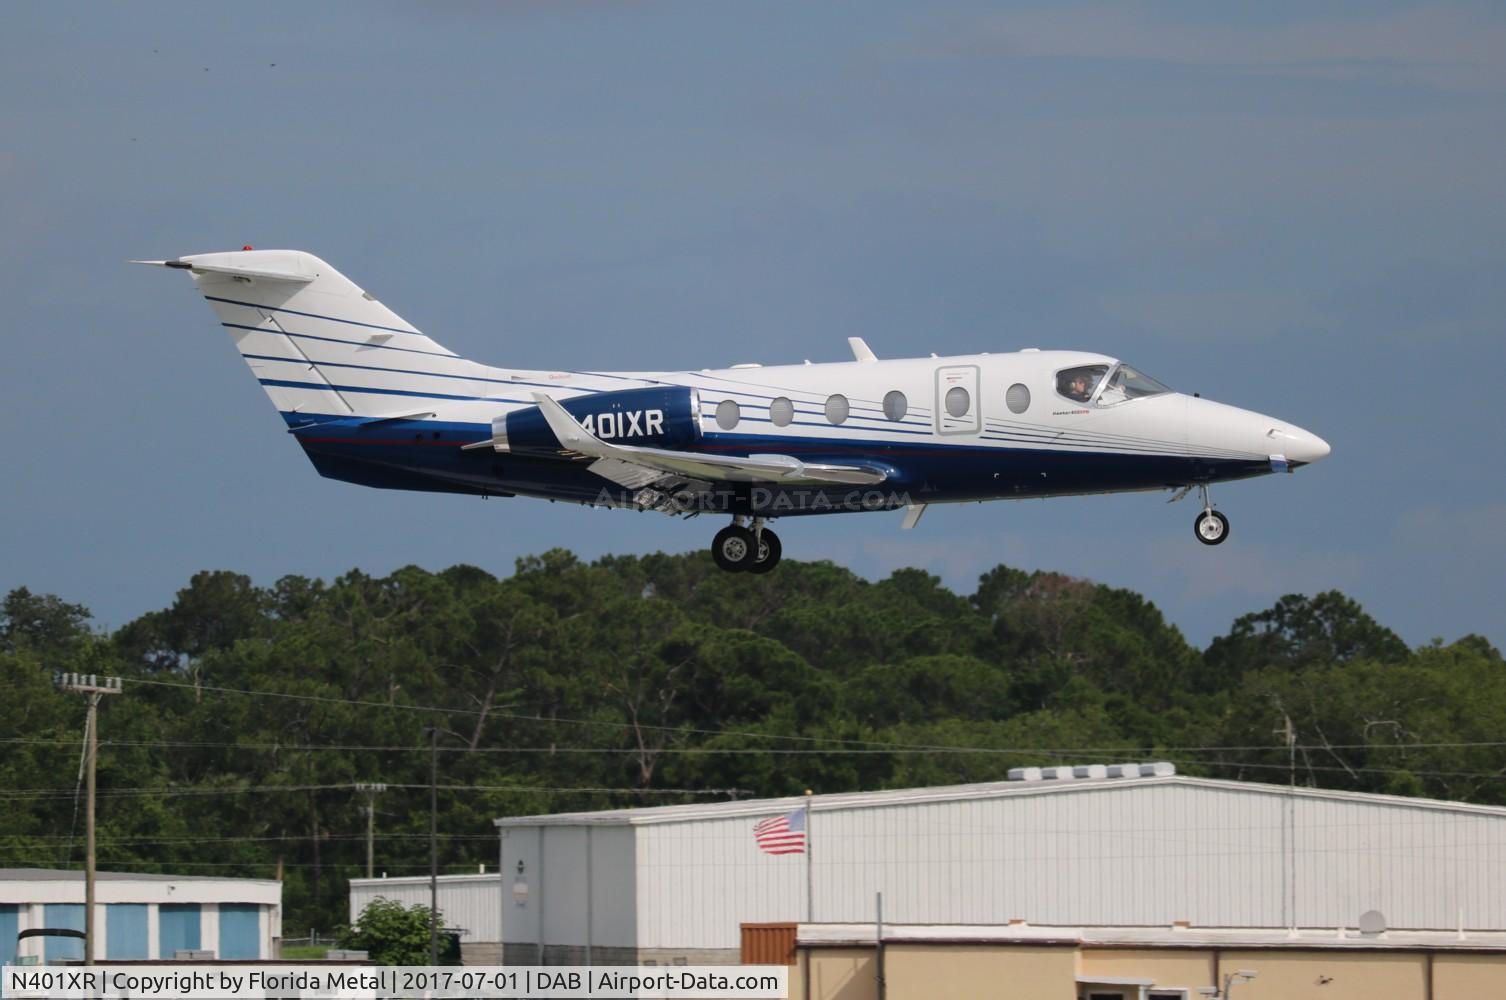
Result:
[{"x": 781, "y": 834}]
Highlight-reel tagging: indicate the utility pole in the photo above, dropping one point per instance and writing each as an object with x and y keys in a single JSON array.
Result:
[
  {"x": 92, "y": 687},
  {"x": 372, "y": 790},
  {"x": 433, "y": 845}
]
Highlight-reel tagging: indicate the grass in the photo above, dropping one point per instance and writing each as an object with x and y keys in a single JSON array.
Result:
[{"x": 304, "y": 951}]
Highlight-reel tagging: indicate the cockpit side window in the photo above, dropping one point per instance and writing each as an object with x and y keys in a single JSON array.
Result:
[
  {"x": 1129, "y": 383},
  {"x": 1080, "y": 383}
]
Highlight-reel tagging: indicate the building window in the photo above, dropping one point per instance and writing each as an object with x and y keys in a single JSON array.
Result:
[
  {"x": 781, "y": 411},
  {"x": 836, "y": 408},
  {"x": 896, "y": 405},
  {"x": 1017, "y": 398},
  {"x": 727, "y": 414},
  {"x": 958, "y": 401}
]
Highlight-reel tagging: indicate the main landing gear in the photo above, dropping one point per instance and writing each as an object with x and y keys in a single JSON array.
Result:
[
  {"x": 751, "y": 549},
  {"x": 1211, "y": 527}
]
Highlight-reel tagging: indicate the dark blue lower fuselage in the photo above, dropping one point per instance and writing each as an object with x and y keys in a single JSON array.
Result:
[{"x": 427, "y": 455}]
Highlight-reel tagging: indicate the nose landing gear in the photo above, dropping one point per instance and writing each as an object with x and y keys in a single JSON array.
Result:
[
  {"x": 740, "y": 549},
  {"x": 1211, "y": 527}
]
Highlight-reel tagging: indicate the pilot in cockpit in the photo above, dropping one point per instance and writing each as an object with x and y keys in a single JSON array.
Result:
[{"x": 1077, "y": 387}]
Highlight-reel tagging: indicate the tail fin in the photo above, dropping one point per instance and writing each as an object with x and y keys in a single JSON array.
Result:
[{"x": 317, "y": 343}]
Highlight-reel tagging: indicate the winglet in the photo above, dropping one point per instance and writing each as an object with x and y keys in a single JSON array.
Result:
[{"x": 860, "y": 350}]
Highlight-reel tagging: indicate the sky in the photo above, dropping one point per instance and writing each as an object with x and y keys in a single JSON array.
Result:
[{"x": 1291, "y": 207}]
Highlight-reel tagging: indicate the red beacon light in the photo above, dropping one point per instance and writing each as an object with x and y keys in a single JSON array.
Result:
[{"x": 248, "y": 247}]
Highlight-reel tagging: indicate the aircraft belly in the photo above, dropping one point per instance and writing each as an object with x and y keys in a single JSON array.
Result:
[{"x": 427, "y": 455}]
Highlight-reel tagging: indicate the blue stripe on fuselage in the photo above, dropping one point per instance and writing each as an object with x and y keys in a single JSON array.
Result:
[{"x": 427, "y": 455}]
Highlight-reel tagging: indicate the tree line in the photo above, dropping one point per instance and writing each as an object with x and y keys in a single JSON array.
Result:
[{"x": 251, "y": 713}]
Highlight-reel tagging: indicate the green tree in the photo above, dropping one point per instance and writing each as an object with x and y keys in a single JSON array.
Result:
[
  {"x": 1298, "y": 632},
  {"x": 392, "y": 934}
]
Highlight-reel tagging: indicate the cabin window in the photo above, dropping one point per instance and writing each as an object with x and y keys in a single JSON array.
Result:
[
  {"x": 1017, "y": 398},
  {"x": 896, "y": 405},
  {"x": 1129, "y": 383},
  {"x": 1080, "y": 383},
  {"x": 837, "y": 408},
  {"x": 727, "y": 414},
  {"x": 958, "y": 401},
  {"x": 781, "y": 411}
]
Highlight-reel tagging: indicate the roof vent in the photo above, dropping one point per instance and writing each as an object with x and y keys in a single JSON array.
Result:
[
  {"x": 1372, "y": 922},
  {"x": 1157, "y": 769}
]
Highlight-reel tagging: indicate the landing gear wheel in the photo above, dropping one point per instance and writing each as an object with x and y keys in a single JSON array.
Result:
[
  {"x": 1211, "y": 527},
  {"x": 769, "y": 551},
  {"x": 734, "y": 549}
]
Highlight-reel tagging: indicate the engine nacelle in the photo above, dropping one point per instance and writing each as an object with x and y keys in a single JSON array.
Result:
[{"x": 657, "y": 417}]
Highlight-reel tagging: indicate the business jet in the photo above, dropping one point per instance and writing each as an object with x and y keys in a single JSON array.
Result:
[{"x": 371, "y": 400}]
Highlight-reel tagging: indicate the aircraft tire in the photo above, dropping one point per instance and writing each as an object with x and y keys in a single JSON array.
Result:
[
  {"x": 768, "y": 553},
  {"x": 733, "y": 548},
  {"x": 1211, "y": 527}
]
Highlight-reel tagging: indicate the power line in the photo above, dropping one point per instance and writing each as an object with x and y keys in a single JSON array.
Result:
[
  {"x": 518, "y": 717},
  {"x": 874, "y": 747},
  {"x": 142, "y": 792},
  {"x": 295, "y": 837},
  {"x": 466, "y": 869}
]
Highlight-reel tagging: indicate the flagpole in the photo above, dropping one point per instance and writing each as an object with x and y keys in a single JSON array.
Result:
[{"x": 810, "y": 913}]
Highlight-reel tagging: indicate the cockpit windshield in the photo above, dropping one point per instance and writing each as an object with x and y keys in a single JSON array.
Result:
[
  {"x": 1129, "y": 383},
  {"x": 1080, "y": 383}
]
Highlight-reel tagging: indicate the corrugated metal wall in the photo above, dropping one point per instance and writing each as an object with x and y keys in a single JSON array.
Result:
[
  {"x": 769, "y": 944},
  {"x": 1130, "y": 854},
  {"x": 699, "y": 881},
  {"x": 556, "y": 869},
  {"x": 470, "y": 904}
]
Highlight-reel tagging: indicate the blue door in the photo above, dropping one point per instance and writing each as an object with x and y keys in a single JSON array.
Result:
[
  {"x": 125, "y": 930},
  {"x": 240, "y": 930},
  {"x": 177, "y": 928},
  {"x": 10, "y": 923},
  {"x": 69, "y": 916}
]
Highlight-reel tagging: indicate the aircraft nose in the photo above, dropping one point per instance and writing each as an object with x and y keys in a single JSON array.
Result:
[{"x": 1303, "y": 446}]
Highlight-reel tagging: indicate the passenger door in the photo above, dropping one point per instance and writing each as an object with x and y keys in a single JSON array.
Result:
[{"x": 958, "y": 407}]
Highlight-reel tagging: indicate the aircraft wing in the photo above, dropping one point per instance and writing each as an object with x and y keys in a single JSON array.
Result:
[{"x": 633, "y": 466}]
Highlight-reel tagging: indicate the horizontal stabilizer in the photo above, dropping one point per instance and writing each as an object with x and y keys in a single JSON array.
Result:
[{"x": 266, "y": 265}]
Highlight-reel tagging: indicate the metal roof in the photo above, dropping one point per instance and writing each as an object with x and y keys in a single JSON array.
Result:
[
  {"x": 1244, "y": 938},
  {"x": 471, "y": 879},
  {"x": 63, "y": 875},
  {"x": 949, "y": 793}
]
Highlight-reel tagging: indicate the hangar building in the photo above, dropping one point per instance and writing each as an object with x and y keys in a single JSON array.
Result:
[
  {"x": 676, "y": 883},
  {"x": 142, "y": 916}
]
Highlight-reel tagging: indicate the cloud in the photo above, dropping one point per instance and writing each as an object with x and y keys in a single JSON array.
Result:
[{"x": 1446, "y": 46}]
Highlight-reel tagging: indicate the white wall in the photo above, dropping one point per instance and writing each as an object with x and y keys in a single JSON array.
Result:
[
  {"x": 1114, "y": 854},
  {"x": 465, "y": 901}
]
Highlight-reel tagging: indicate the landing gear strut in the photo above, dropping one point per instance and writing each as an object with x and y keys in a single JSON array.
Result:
[
  {"x": 740, "y": 549},
  {"x": 1211, "y": 527}
]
